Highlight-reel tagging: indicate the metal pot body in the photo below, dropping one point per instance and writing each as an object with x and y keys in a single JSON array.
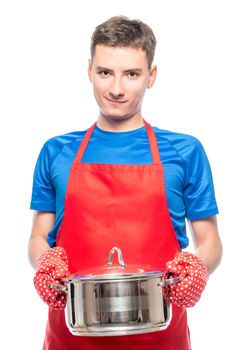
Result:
[{"x": 116, "y": 307}]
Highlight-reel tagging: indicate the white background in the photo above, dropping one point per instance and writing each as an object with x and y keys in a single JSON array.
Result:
[{"x": 45, "y": 91}]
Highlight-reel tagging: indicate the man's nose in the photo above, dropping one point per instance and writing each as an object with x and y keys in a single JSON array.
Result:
[{"x": 116, "y": 89}]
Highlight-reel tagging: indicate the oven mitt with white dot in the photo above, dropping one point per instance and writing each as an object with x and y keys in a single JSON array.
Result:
[
  {"x": 52, "y": 266},
  {"x": 194, "y": 275}
]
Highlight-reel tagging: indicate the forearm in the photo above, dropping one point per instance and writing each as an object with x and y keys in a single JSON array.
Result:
[
  {"x": 37, "y": 245},
  {"x": 207, "y": 242},
  {"x": 210, "y": 253}
]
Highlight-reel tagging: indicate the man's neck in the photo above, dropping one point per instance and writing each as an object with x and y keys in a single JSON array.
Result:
[{"x": 118, "y": 125}]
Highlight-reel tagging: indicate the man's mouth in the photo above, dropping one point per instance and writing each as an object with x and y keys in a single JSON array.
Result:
[{"x": 115, "y": 101}]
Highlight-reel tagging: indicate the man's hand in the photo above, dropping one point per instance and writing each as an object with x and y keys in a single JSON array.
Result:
[
  {"x": 52, "y": 266},
  {"x": 194, "y": 278}
]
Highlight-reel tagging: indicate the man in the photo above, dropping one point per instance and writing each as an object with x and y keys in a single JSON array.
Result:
[{"x": 123, "y": 183}]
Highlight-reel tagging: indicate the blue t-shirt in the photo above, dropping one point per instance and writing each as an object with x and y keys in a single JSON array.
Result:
[{"x": 188, "y": 179}]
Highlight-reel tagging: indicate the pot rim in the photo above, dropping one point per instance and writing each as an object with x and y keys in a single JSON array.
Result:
[{"x": 112, "y": 277}]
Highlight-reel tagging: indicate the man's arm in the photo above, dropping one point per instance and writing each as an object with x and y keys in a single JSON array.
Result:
[
  {"x": 207, "y": 241},
  {"x": 42, "y": 223}
]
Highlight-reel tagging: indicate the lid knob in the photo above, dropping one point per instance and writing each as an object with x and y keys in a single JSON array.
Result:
[{"x": 120, "y": 257}]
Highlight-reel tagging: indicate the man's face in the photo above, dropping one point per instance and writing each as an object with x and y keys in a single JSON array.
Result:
[{"x": 120, "y": 76}]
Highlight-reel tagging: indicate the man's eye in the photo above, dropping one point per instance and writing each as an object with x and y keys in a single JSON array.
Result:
[
  {"x": 103, "y": 73},
  {"x": 132, "y": 74}
]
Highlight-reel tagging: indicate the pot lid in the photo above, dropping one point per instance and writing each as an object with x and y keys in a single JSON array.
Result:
[{"x": 119, "y": 271}]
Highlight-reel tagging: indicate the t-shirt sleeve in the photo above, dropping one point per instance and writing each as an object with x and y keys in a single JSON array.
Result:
[
  {"x": 199, "y": 193},
  {"x": 43, "y": 192}
]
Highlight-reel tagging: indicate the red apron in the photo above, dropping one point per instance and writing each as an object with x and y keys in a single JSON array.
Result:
[{"x": 119, "y": 205}]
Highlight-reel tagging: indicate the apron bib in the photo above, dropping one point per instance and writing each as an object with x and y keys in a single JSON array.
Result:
[{"x": 109, "y": 205}]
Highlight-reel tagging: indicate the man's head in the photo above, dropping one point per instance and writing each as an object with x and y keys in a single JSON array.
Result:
[
  {"x": 120, "y": 31},
  {"x": 120, "y": 67}
]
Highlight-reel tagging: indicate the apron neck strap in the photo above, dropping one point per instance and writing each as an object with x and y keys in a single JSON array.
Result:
[
  {"x": 153, "y": 143},
  {"x": 84, "y": 143},
  {"x": 151, "y": 137}
]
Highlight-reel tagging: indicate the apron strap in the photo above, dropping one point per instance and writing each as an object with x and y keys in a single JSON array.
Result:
[
  {"x": 151, "y": 136},
  {"x": 153, "y": 143},
  {"x": 84, "y": 144}
]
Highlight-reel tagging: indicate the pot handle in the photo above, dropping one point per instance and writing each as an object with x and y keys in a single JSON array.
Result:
[
  {"x": 58, "y": 287},
  {"x": 120, "y": 257},
  {"x": 169, "y": 281}
]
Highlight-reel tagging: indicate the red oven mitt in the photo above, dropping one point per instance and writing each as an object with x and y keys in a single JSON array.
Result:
[
  {"x": 188, "y": 291},
  {"x": 52, "y": 266}
]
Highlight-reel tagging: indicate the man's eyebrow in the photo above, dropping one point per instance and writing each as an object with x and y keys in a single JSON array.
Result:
[
  {"x": 137, "y": 70},
  {"x": 103, "y": 68}
]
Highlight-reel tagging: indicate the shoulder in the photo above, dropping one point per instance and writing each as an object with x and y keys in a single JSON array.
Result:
[
  {"x": 55, "y": 145},
  {"x": 176, "y": 138},
  {"x": 184, "y": 144},
  {"x": 60, "y": 140}
]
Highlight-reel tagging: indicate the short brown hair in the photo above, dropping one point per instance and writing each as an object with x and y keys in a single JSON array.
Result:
[{"x": 121, "y": 31}]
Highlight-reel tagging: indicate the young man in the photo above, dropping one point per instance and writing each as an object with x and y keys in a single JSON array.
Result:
[{"x": 123, "y": 183}]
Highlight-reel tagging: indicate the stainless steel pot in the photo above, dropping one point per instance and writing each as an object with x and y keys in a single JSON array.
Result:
[{"x": 116, "y": 300}]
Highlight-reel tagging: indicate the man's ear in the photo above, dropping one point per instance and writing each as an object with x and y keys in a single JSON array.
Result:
[
  {"x": 152, "y": 76},
  {"x": 90, "y": 63}
]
